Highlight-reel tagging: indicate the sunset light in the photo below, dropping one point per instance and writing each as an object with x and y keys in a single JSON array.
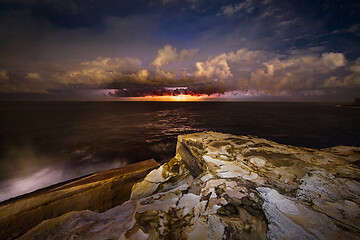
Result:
[{"x": 178, "y": 98}]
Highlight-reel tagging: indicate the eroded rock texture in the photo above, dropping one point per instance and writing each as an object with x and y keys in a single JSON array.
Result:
[{"x": 221, "y": 186}]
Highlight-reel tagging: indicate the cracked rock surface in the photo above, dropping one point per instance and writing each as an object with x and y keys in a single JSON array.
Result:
[{"x": 221, "y": 186}]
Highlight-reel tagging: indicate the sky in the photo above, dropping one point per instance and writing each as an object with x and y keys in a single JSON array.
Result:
[{"x": 205, "y": 49}]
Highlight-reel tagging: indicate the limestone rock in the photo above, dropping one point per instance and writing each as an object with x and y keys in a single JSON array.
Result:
[{"x": 221, "y": 186}]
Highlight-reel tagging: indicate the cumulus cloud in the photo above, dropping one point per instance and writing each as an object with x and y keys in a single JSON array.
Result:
[
  {"x": 163, "y": 76},
  {"x": 114, "y": 64},
  {"x": 354, "y": 78},
  {"x": 218, "y": 67},
  {"x": 67, "y": 55},
  {"x": 295, "y": 72},
  {"x": 242, "y": 70},
  {"x": 351, "y": 80},
  {"x": 333, "y": 81},
  {"x": 100, "y": 71},
  {"x": 33, "y": 76},
  {"x": 169, "y": 54},
  {"x": 333, "y": 60},
  {"x": 213, "y": 68},
  {"x": 273, "y": 73},
  {"x": 105, "y": 70},
  {"x": 143, "y": 75}
]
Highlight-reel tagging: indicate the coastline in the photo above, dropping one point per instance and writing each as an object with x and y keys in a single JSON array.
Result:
[{"x": 222, "y": 185}]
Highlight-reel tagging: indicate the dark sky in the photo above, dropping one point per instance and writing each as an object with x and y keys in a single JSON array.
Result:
[{"x": 292, "y": 50}]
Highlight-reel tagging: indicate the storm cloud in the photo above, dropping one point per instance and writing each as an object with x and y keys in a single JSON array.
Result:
[{"x": 209, "y": 47}]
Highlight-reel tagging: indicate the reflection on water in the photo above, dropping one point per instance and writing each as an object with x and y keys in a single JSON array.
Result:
[{"x": 44, "y": 143}]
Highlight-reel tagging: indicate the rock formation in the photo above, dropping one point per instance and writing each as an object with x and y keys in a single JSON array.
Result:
[
  {"x": 221, "y": 186},
  {"x": 97, "y": 192}
]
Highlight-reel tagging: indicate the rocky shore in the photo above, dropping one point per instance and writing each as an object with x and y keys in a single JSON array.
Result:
[
  {"x": 221, "y": 186},
  {"x": 97, "y": 192}
]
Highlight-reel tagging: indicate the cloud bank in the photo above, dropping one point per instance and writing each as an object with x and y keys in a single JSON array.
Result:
[
  {"x": 243, "y": 70},
  {"x": 266, "y": 47}
]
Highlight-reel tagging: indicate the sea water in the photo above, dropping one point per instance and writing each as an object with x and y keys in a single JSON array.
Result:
[{"x": 43, "y": 143}]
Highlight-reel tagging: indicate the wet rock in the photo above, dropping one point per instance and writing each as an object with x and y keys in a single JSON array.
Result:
[
  {"x": 221, "y": 186},
  {"x": 97, "y": 192}
]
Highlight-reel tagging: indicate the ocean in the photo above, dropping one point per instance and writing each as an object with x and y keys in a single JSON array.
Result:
[{"x": 43, "y": 143}]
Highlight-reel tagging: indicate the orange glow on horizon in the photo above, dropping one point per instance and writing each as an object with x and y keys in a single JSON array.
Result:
[{"x": 178, "y": 98}]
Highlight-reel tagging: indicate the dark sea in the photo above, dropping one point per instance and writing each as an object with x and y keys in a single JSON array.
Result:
[{"x": 43, "y": 143}]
